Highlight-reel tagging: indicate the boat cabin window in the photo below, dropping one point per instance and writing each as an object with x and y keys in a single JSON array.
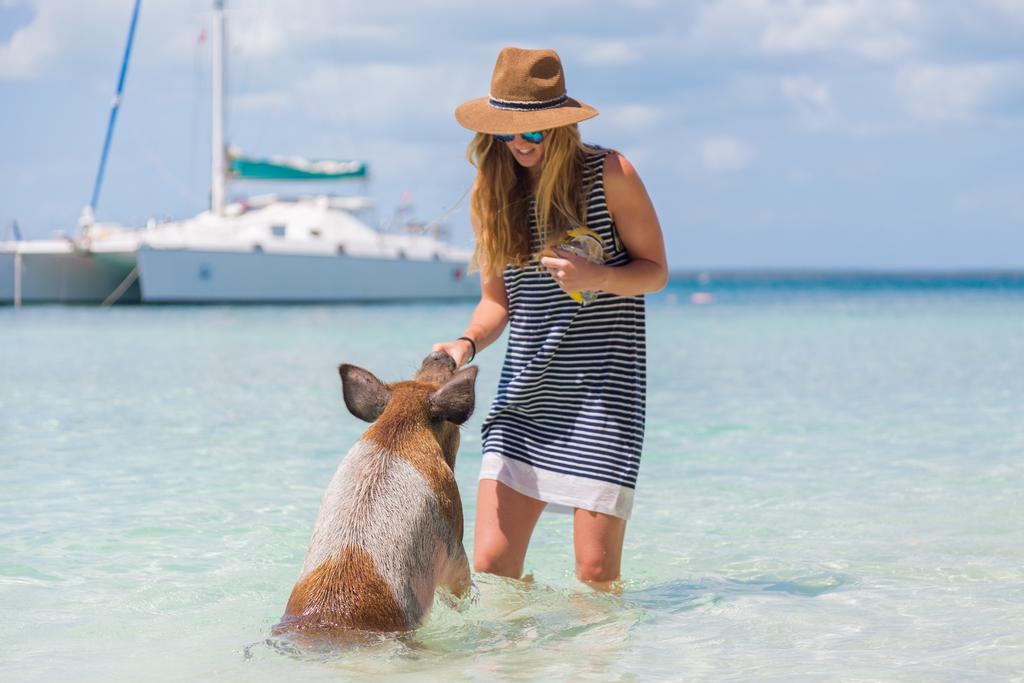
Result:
[
  {"x": 277, "y": 230},
  {"x": 314, "y": 232}
]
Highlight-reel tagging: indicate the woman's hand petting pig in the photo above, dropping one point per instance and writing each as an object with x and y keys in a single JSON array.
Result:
[{"x": 458, "y": 349}]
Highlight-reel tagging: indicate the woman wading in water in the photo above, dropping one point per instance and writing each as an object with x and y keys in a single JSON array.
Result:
[{"x": 567, "y": 243}]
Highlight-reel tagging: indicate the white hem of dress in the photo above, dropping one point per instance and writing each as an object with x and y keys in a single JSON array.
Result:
[{"x": 562, "y": 492}]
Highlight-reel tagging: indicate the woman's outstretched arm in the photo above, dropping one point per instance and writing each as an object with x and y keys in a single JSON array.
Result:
[{"x": 486, "y": 323}]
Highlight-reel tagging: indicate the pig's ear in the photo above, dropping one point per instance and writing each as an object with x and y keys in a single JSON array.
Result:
[
  {"x": 454, "y": 401},
  {"x": 365, "y": 395}
]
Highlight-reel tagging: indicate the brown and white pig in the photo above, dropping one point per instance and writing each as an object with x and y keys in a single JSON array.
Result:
[{"x": 389, "y": 530}]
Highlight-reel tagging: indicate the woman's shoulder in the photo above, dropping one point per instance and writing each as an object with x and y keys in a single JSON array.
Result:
[
  {"x": 621, "y": 180},
  {"x": 596, "y": 158},
  {"x": 614, "y": 162},
  {"x": 616, "y": 165}
]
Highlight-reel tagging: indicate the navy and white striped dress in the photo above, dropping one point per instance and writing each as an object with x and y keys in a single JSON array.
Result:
[{"x": 567, "y": 424}]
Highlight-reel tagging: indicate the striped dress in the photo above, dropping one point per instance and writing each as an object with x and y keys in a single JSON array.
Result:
[{"x": 567, "y": 424}]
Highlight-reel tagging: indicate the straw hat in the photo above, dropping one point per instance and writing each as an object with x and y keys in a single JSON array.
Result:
[{"x": 527, "y": 94}]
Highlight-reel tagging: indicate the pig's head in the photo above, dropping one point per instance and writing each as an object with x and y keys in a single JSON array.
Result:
[{"x": 418, "y": 416}]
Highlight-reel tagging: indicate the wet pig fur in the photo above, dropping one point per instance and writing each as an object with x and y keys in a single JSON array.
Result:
[{"x": 390, "y": 526}]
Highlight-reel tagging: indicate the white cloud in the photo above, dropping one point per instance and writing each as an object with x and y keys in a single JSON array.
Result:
[
  {"x": 605, "y": 52},
  {"x": 955, "y": 92},
  {"x": 267, "y": 100},
  {"x": 1012, "y": 9},
  {"x": 641, "y": 155},
  {"x": 875, "y": 30},
  {"x": 387, "y": 93},
  {"x": 277, "y": 30},
  {"x": 812, "y": 99},
  {"x": 725, "y": 153},
  {"x": 871, "y": 29},
  {"x": 30, "y": 47},
  {"x": 83, "y": 38},
  {"x": 632, "y": 115},
  {"x": 258, "y": 34}
]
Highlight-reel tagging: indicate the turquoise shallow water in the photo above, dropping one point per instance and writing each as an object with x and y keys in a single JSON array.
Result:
[{"x": 832, "y": 488}]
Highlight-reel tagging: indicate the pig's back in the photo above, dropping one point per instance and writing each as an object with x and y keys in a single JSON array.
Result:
[{"x": 382, "y": 535}]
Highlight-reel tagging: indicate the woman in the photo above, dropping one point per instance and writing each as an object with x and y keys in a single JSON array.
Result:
[{"x": 567, "y": 423}]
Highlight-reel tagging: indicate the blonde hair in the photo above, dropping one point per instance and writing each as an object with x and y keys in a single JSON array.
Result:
[{"x": 500, "y": 200}]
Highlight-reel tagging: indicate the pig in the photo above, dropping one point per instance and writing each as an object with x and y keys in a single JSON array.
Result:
[{"x": 389, "y": 531}]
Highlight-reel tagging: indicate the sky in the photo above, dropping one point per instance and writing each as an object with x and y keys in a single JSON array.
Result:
[{"x": 856, "y": 134}]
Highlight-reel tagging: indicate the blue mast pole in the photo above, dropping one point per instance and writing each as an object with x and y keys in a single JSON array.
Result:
[{"x": 113, "y": 110}]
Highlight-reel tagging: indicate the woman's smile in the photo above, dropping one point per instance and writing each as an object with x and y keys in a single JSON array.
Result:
[{"x": 527, "y": 154}]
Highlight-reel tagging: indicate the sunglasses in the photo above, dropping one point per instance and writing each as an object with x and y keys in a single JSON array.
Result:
[{"x": 535, "y": 137}]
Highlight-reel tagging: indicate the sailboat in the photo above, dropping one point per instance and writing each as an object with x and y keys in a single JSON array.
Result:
[
  {"x": 271, "y": 248},
  {"x": 89, "y": 268}
]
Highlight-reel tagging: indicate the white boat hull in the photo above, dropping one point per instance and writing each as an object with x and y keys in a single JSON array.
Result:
[
  {"x": 216, "y": 276},
  {"x": 60, "y": 273}
]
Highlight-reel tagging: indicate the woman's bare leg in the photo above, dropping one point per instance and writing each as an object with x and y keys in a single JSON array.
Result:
[
  {"x": 505, "y": 520},
  {"x": 598, "y": 541}
]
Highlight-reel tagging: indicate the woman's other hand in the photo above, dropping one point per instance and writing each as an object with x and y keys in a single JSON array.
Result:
[{"x": 574, "y": 273}]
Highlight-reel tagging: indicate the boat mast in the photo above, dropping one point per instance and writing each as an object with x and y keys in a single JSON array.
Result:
[
  {"x": 218, "y": 172},
  {"x": 89, "y": 212}
]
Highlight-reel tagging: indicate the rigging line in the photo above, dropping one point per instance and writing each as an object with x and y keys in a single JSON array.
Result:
[
  {"x": 343, "y": 105},
  {"x": 436, "y": 221},
  {"x": 161, "y": 167},
  {"x": 114, "y": 107},
  {"x": 451, "y": 210},
  {"x": 119, "y": 291},
  {"x": 257, "y": 120},
  {"x": 198, "y": 100},
  {"x": 238, "y": 71},
  {"x": 239, "y": 81}
]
